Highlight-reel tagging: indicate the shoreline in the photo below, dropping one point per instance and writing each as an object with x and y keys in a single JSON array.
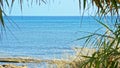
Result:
[{"x": 72, "y": 61}]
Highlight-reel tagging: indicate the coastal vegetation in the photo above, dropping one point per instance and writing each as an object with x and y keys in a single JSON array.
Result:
[{"x": 105, "y": 45}]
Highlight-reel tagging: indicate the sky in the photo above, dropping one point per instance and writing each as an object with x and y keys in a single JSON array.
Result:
[{"x": 51, "y": 8}]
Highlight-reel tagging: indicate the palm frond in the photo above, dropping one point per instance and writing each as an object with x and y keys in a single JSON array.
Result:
[
  {"x": 10, "y": 4},
  {"x": 104, "y": 6}
]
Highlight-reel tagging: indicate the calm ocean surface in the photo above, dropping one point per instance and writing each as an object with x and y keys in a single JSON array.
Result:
[{"x": 44, "y": 37}]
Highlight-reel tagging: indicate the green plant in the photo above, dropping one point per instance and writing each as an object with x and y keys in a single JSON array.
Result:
[
  {"x": 108, "y": 43},
  {"x": 108, "y": 48}
]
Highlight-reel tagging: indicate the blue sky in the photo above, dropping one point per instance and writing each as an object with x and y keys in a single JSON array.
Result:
[{"x": 51, "y": 8}]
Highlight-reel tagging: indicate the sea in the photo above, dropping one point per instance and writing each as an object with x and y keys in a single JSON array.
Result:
[{"x": 44, "y": 37}]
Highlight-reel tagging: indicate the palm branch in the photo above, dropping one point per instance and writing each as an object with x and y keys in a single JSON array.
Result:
[
  {"x": 104, "y": 6},
  {"x": 10, "y": 4}
]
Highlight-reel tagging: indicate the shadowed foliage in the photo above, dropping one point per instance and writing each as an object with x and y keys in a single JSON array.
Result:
[{"x": 104, "y": 6}]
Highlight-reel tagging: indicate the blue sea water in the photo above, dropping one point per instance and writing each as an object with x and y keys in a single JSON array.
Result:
[{"x": 44, "y": 37}]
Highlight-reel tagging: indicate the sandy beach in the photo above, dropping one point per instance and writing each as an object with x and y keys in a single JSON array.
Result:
[{"x": 73, "y": 60}]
